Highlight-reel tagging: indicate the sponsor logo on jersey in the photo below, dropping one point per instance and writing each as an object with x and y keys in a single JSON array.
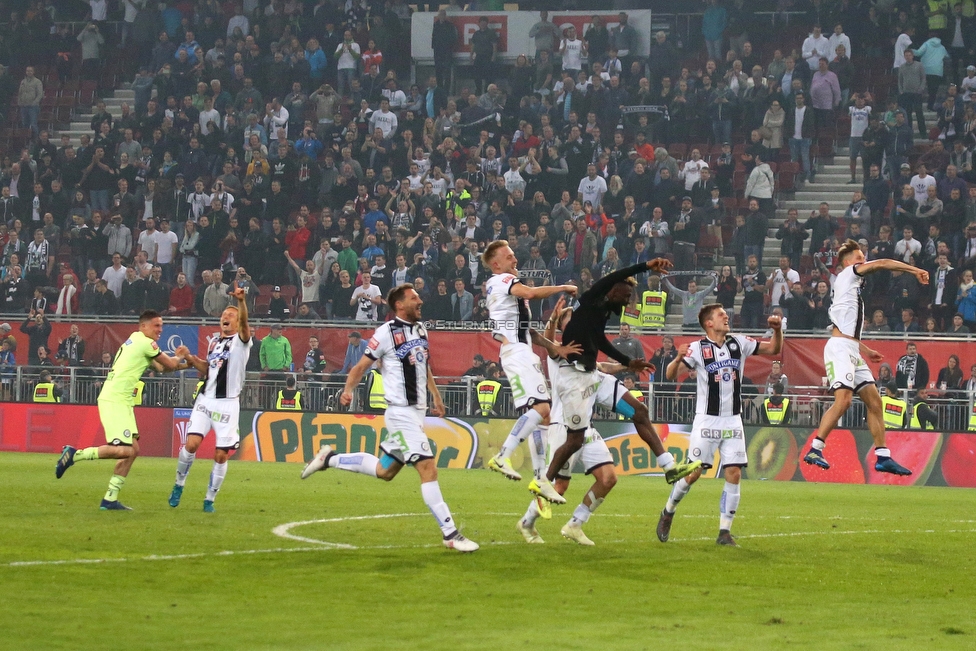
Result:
[
  {"x": 398, "y": 338},
  {"x": 373, "y": 344},
  {"x": 725, "y": 363},
  {"x": 154, "y": 346},
  {"x": 706, "y": 352}
]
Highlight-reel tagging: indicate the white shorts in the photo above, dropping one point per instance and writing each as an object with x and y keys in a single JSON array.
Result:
[
  {"x": 524, "y": 372},
  {"x": 405, "y": 440},
  {"x": 845, "y": 367},
  {"x": 579, "y": 391},
  {"x": 592, "y": 455},
  {"x": 220, "y": 414},
  {"x": 722, "y": 434}
]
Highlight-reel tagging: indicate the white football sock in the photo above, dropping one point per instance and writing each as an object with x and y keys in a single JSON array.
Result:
[
  {"x": 537, "y": 450},
  {"x": 728, "y": 505},
  {"x": 817, "y": 444},
  {"x": 882, "y": 452},
  {"x": 665, "y": 460},
  {"x": 531, "y": 514},
  {"x": 216, "y": 479},
  {"x": 183, "y": 466},
  {"x": 435, "y": 502},
  {"x": 582, "y": 513},
  {"x": 681, "y": 488},
  {"x": 527, "y": 422},
  {"x": 361, "y": 462}
]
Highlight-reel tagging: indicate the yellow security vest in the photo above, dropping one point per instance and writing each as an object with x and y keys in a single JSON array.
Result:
[
  {"x": 637, "y": 393},
  {"x": 972, "y": 418},
  {"x": 654, "y": 309},
  {"x": 968, "y": 10},
  {"x": 137, "y": 392},
  {"x": 775, "y": 413},
  {"x": 938, "y": 22},
  {"x": 44, "y": 392},
  {"x": 196, "y": 391},
  {"x": 894, "y": 412},
  {"x": 915, "y": 422},
  {"x": 377, "y": 397},
  {"x": 631, "y": 316},
  {"x": 487, "y": 394},
  {"x": 452, "y": 203},
  {"x": 289, "y": 404}
]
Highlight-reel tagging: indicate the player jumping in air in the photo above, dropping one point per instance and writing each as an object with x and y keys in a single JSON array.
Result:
[
  {"x": 719, "y": 360},
  {"x": 218, "y": 406},
  {"x": 844, "y": 352},
  {"x": 115, "y": 408},
  {"x": 581, "y": 384},
  {"x": 594, "y": 454},
  {"x": 508, "y": 311},
  {"x": 402, "y": 346}
]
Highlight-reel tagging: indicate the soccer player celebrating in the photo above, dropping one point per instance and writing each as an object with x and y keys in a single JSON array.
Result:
[
  {"x": 115, "y": 408},
  {"x": 582, "y": 385},
  {"x": 719, "y": 360},
  {"x": 508, "y": 311},
  {"x": 594, "y": 454},
  {"x": 402, "y": 346},
  {"x": 218, "y": 406},
  {"x": 844, "y": 352}
]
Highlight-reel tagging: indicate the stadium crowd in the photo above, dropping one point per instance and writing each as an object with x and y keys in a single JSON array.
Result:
[{"x": 280, "y": 147}]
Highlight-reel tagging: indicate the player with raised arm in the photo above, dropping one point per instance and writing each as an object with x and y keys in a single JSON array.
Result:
[
  {"x": 115, "y": 408},
  {"x": 594, "y": 454},
  {"x": 508, "y": 312},
  {"x": 402, "y": 346},
  {"x": 844, "y": 352},
  {"x": 218, "y": 406},
  {"x": 718, "y": 360},
  {"x": 581, "y": 385}
]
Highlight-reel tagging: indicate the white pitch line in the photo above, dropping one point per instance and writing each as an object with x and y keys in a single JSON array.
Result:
[{"x": 284, "y": 531}]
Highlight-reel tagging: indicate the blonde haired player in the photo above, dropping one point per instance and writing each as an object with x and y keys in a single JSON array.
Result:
[
  {"x": 508, "y": 313},
  {"x": 718, "y": 361},
  {"x": 115, "y": 408},
  {"x": 218, "y": 406},
  {"x": 844, "y": 352}
]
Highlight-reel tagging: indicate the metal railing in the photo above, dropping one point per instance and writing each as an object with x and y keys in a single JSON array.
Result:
[{"x": 666, "y": 403}]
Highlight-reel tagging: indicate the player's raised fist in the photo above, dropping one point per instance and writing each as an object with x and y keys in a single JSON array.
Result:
[
  {"x": 239, "y": 293},
  {"x": 683, "y": 350},
  {"x": 570, "y": 289},
  {"x": 775, "y": 322},
  {"x": 923, "y": 276},
  {"x": 659, "y": 265}
]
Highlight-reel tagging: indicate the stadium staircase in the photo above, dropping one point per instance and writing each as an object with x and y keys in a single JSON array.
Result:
[{"x": 80, "y": 123}]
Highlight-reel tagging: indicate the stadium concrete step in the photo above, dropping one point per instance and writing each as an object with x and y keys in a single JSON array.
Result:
[
  {"x": 823, "y": 192},
  {"x": 81, "y": 120}
]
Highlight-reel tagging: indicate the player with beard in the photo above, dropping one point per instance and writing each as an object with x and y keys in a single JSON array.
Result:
[{"x": 402, "y": 346}]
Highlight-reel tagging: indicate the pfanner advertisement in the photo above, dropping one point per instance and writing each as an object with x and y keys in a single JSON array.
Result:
[{"x": 775, "y": 453}]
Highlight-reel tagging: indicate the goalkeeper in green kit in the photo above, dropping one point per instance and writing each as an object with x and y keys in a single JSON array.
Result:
[{"x": 115, "y": 406}]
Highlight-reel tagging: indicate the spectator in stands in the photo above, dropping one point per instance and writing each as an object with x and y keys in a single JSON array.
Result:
[
  {"x": 215, "y": 299},
  {"x": 912, "y": 371},
  {"x": 627, "y": 344},
  {"x": 29, "y": 97},
  {"x": 355, "y": 350},
  {"x": 756, "y": 230},
  {"x": 38, "y": 329},
  {"x": 800, "y": 124},
  {"x": 691, "y": 301},
  {"x": 106, "y": 303},
  {"x": 275, "y": 351}
]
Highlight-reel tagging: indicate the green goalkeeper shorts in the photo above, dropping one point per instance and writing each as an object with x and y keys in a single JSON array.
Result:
[{"x": 119, "y": 421}]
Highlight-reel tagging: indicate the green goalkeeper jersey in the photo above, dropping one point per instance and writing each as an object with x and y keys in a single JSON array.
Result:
[{"x": 130, "y": 363}]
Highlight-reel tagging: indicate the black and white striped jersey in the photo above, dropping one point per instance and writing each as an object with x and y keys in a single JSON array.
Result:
[
  {"x": 719, "y": 368},
  {"x": 402, "y": 347},
  {"x": 227, "y": 358}
]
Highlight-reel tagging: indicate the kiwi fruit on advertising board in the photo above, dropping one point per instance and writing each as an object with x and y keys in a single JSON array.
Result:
[{"x": 772, "y": 454}]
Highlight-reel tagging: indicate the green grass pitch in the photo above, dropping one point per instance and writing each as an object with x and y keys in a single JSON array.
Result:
[{"x": 819, "y": 567}]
